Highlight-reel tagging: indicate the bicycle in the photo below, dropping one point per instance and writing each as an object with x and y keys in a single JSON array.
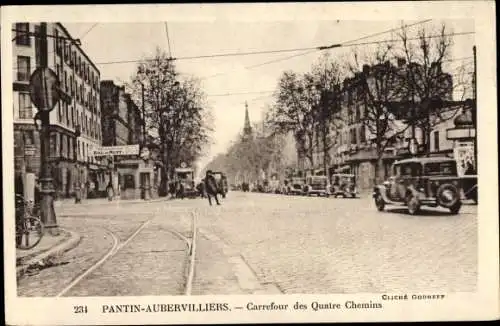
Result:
[{"x": 29, "y": 227}]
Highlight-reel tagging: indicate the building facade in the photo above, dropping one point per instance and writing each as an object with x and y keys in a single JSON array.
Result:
[
  {"x": 79, "y": 108},
  {"x": 355, "y": 146},
  {"x": 121, "y": 118},
  {"x": 134, "y": 175}
]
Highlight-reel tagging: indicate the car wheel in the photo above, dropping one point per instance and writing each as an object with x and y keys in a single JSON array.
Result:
[
  {"x": 379, "y": 202},
  {"x": 447, "y": 196},
  {"x": 413, "y": 205},
  {"x": 455, "y": 209}
]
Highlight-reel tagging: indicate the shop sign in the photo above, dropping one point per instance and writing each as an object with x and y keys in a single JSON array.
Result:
[{"x": 116, "y": 150}]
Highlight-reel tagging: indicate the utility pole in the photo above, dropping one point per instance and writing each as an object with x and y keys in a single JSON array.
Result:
[
  {"x": 143, "y": 115},
  {"x": 47, "y": 187}
]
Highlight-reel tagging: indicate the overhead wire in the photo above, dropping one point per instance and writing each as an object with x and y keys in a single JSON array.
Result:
[
  {"x": 88, "y": 31},
  {"x": 246, "y": 53},
  {"x": 240, "y": 93}
]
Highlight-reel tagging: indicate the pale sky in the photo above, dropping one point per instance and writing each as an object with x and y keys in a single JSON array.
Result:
[{"x": 109, "y": 42}]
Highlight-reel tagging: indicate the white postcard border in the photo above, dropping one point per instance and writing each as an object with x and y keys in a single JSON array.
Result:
[{"x": 480, "y": 305}]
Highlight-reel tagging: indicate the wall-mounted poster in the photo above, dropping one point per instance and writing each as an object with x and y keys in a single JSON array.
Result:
[{"x": 465, "y": 160}]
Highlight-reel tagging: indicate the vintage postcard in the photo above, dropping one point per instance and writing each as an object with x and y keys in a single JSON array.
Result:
[{"x": 250, "y": 163}]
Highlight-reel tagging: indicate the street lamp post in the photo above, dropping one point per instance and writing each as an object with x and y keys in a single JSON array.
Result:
[
  {"x": 78, "y": 194},
  {"x": 44, "y": 93}
]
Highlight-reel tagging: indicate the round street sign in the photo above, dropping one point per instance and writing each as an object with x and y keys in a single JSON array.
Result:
[{"x": 44, "y": 89}]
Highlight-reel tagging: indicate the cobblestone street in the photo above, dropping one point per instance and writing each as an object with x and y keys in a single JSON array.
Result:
[{"x": 263, "y": 243}]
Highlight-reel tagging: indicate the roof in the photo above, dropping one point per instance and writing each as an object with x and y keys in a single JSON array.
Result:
[
  {"x": 61, "y": 26},
  {"x": 425, "y": 160}
]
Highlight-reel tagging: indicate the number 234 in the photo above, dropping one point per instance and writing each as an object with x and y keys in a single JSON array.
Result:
[{"x": 80, "y": 309}]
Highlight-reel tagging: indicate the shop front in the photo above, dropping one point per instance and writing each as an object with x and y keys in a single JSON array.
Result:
[{"x": 137, "y": 179}]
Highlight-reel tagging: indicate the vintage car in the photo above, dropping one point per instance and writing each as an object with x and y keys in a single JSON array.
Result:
[
  {"x": 184, "y": 183},
  {"x": 295, "y": 186},
  {"x": 222, "y": 186},
  {"x": 344, "y": 185},
  {"x": 317, "y": 185},
  {"x": 416, "y": 182}
]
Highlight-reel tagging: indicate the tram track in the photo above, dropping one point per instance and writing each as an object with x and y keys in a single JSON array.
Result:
[{"x": 118, "y": 245}]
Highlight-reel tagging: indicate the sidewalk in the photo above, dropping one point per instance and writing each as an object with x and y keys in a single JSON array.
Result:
[
  {"x": 219, "y": 270},
  {"x": 49, "y": 247}
]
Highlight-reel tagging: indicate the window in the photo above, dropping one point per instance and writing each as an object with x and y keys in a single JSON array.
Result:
[
  {"x": 353, "y": 137},
  {"x": 65, "y": 81},
  {"x": 441, "y": 168},
  {"x": 25, "y": 108},
  {"x": 66, "y": 114},
  {"x": 362, "y": 134},
  {"x": 22, "y": 34},
  {"x": 29, "y": 138},
  {"x": 61, "y": 146},
  {"x": 57, "y": 42},
  {"x": 53, "y": 144},
  {"x": 23, "y": 68},
  {"x": 71, "y": 85},
  {"x": 59, "y": 111},
  {"x": 70, "y": 147},
  {"x": 436, "y": 141}
]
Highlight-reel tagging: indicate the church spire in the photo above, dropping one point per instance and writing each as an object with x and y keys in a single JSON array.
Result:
[{"x": 247, "y": 128}]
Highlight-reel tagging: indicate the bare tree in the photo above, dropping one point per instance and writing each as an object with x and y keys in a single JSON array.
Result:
[
  {"x": 292, "y": 112},
  {"x": 374, "y": 101},
  {"x": 175, "y": 110},
  {"x": 324, "y": 85},
  {"x": 430, "y": 90}
]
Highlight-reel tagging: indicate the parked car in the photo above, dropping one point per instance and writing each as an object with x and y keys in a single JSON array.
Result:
[
  {"x": 344, "y": 185},
  {"x": 222, "y": 186},
  {"x": 416, "y": 182},
  {"x": 317, "y": 185},
  {"x": 295, "y": 186}
]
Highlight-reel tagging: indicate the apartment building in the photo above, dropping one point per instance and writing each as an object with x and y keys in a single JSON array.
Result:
[
  {"x": 355, "y": 148},
  {"x": 79, "y": 108},
  {"x": 122, "y": 124},
  {"x": 121, "y": 118}
]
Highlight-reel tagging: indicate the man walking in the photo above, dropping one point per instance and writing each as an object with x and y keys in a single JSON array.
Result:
[{"x": 211, "y": 187}]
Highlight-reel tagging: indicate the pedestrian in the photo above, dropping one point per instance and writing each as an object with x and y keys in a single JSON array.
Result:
[
  {"x": 211, "y": 187},
  {"x": 109, "y": 190}
]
